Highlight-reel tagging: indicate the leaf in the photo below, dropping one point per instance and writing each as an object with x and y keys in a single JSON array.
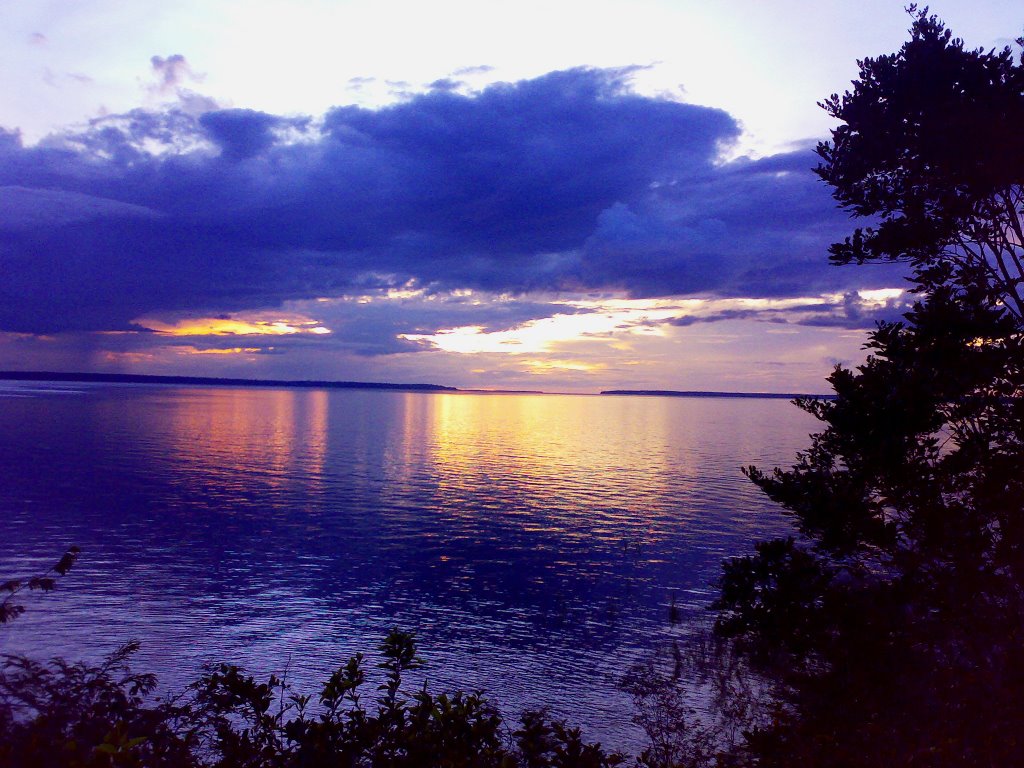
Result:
[{"x": 67, "y": 560}]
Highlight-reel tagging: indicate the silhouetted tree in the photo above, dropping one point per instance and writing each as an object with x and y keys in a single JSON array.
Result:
[
  {"x": 892, "y": 625},
  {"x": 931, "y": 147}
]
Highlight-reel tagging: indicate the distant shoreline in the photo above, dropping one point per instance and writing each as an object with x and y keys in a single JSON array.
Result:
[
  {"x": 212, "y": 381},
  {"x": 130, "y": 378},
  {"x": 696, "y": 393}
]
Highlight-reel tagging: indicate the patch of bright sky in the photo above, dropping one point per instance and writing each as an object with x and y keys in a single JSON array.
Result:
[
  {"x": 586, "y": 343},
  {"x": 730, "y": 355},
  {"x": 765, "y": 63},
  {"x": 616, "y": 320},
  {"x": 539, "y": 335}
]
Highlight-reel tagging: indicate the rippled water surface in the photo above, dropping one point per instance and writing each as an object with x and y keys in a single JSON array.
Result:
[{"x": 534, "y": 542}]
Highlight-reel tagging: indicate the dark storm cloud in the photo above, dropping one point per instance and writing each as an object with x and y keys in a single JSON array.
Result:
[
  {"x": 746, "y": 228},
  {"x": 244, "y": 133},
  {"x": 565, "y": 182}
]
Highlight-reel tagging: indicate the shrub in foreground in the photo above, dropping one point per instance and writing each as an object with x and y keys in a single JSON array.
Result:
[{"x": 60, "y": 714}]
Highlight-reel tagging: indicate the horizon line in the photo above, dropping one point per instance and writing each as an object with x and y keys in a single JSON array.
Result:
[{"x": 146, "y": 378}]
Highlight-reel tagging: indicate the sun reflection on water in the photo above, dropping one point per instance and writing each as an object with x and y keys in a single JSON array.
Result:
[
  {"x": 226, "y": 435},
  {"x": 544, "y": 462},
  {"x": 532, "y": 540}
]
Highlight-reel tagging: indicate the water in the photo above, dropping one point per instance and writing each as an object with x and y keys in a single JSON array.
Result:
[{"x": 534, "y": 542}]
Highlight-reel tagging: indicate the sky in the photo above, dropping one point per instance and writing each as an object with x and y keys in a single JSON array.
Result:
[{"x": 558, "y": 196}]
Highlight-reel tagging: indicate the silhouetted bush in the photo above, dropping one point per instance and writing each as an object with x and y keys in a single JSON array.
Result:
[{"x": 59, "y": 714}]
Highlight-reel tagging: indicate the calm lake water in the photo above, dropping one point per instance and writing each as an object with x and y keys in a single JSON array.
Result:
[{"x": 534, "y": 542}]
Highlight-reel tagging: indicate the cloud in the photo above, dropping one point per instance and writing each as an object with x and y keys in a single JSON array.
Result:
[
  {"x": 172, "y": 73},
  {"x": 375, "y": 324},
  {"x": 480, "y": 69},
  {"x": 33, "y": 209},
  {"x": 745, "y": 228},
  {"x": 859, "y": 310},
  {"x": 446, "y": 84},
  {"x": 244, "y": 133},
  {"x": 572, "y": 321},
  {"x": 359, "y": 83},
  {"x": 854, "y": 310},
  {"x": 567, "y": 182}
]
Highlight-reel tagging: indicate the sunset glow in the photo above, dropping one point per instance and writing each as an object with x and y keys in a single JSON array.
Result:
[
  {"x": 212, "y": 326},
  {"x": 443, "y": 207},
  {"x": 225, "y": 351},
  {"x": 617, "y": 323},
  {"x": 545, "y": 334}
]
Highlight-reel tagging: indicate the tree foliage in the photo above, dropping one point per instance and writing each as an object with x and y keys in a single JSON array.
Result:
[
  {"x": 10, "y": 607},
  {"x": 930, "y": 146},
  {"x": 892, "y": 623}
]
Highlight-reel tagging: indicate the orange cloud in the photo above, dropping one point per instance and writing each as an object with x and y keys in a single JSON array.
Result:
[
  {"x": 227, "y": 351},
  {"x": 235, "y": 326}
]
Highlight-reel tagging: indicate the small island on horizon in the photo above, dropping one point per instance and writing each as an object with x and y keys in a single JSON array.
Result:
[{"x": 702, "y": 393}]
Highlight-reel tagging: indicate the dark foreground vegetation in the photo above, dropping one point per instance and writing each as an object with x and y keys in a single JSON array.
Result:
[
  {"x": 60, "y": 714},
  {"x": 888, "y": 630},
  {"x": 81, "y": 715}
]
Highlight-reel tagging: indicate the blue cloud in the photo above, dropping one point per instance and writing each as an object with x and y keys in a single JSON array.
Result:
[
  {"x": 244, "y": 133},
  {"x": 565, "y": 182}
]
